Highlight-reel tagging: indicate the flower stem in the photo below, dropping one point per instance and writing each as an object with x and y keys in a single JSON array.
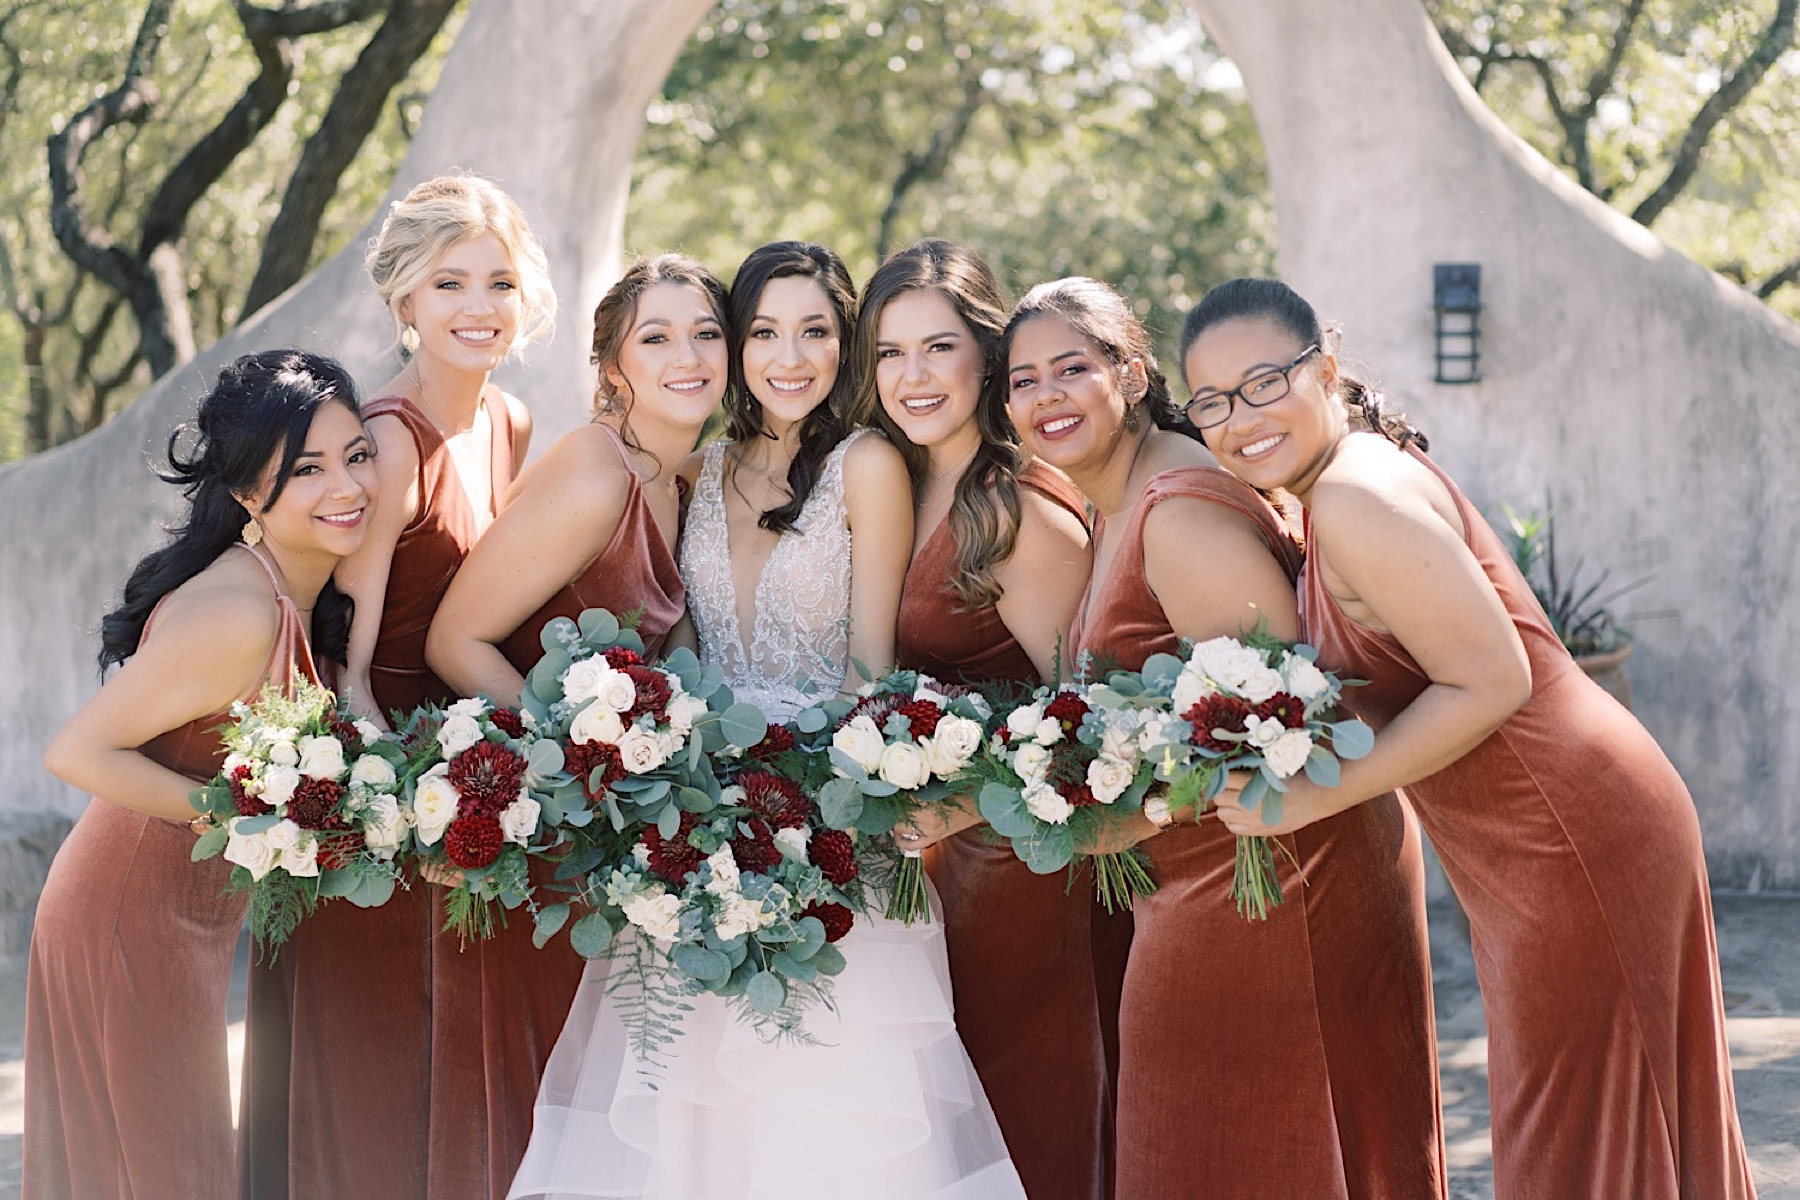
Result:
[
  {"x": 1120, "y": 878},
  {"x": 909, "y": 901},
  {"x": 1253, "y": 882}
]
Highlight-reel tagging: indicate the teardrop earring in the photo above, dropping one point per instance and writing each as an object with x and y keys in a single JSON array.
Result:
[
  {"x": 252, "y": 532},
  {"x": 409, "y": 340},
  {"x": 1132, "y": 420}
]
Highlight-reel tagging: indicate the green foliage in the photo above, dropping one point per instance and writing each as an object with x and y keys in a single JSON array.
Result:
[{"x": 1580, "y": 609}]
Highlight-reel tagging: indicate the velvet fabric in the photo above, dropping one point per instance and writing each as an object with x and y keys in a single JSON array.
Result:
[
  {"x": 1020, "y": 944},
  {"x": 1575, "y": 850},
  {"x": 127, "y": 1086},
  {"x": 1289, "y": 1057}
]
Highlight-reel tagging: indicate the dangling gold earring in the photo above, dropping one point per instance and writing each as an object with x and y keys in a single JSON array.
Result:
[
  {"x": 1131, "y": 419},
  {"x": 252, "y": 533},
  {"x": 409, "y": 340}
]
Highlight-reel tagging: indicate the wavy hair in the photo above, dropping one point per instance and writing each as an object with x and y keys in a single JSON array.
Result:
[
  {"x": 1103, "y": 317},
  {"x": 260, "y": 409},
  {"x": 984, "y": 513}
]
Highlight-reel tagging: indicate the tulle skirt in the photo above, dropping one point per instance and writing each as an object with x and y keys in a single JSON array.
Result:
[{"x": 885, "y": 1107}]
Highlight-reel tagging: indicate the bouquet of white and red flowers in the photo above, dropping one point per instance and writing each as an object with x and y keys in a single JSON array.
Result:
[
  {"x": 1252, "y": 704},
  {"x": 892, "y": 752},
  {"x": 1057, "y": 771},
  {"x": 307, "y": 807}
]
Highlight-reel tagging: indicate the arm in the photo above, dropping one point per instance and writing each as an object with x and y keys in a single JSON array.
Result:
[
  {"x": 1395, "y": 551},
  {"x": 229, "y": 628},
  {"x": 563, "y": 512},
  {"x": 363, "y": 576},
  {"x": 878, "y": 506}
]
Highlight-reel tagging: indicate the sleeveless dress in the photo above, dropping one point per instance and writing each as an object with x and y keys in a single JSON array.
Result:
[
  {"x": 1027, "y": 1006},
  {"x": 889, "y": 1107},
  {"x": 340, "y": 1054},
  {"x": 484, "y": 1105},
  {"x": 127, "y": 1088},
  {"x": 1575, "y": 850},
  {"x": 1289, "y": 1057}
]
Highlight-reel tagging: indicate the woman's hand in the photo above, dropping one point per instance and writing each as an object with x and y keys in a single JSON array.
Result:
[
  {"x": 932, "y": 826},
  {"x": 442, "y": 874},
  {"x": 1303, "y": 803},
  {"x": 1116, "y": 837}
]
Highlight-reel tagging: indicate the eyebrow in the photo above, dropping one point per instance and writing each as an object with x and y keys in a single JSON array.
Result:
[
  {"x": 819, "y": 316},
  {"x": 930, "y": 337},
  {"x": 361, "y": 437},
  {"x": 1054, "y": 359},
  {"x": 1248, "y": 372}
]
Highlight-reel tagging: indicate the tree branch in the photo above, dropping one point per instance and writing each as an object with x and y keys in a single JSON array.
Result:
[
  {"x": 288, "y": 22},
  {"x": 1780, "y": 279},
  {"x": 927, "y": 164},
  {"x": 1775, "y": 40}
]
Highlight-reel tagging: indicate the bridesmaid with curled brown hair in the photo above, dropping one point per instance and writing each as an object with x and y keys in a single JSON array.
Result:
[
  {"x": 592, "y": 524},
  {"x": 342, "y": 1053},
  {"x": 1279, "y": 1058},
  {"x": 1000, "y": 555}
]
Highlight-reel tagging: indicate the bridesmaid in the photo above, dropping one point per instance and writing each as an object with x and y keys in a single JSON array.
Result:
[
  {"x": 347, "y": 1012},
  {"x": 127, "y": 1092},
  {"x": 1000, "y": 555},
  {"x": 592, "y": 524},
  {"x": 1257, "y": 1058},
  {"x": 1567, "y": 835}
]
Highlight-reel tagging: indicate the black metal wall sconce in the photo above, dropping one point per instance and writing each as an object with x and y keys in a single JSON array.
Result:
[{"x": 1456, "y": 305}]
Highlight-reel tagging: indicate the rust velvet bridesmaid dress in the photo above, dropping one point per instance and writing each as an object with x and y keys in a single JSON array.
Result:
[
  {"x": 1027, "y": 1004},
  {"x": 1575, "y": 850},
  {"x": 127, "y": 1087},
  {"x": 481, "y": 1104},
  {"x": 340, "y": 1053},
  {"x": 1292, "y": 1057}
]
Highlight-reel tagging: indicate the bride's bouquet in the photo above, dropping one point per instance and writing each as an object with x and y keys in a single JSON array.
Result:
[{"x": 308, "y": 807}]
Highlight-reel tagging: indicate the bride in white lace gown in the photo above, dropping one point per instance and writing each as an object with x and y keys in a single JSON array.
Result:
[{"x": 808, "y": 560}]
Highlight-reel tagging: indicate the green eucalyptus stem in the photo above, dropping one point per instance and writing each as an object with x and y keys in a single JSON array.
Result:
[
  {"x": 909, "y": 901},
  {"x": 1120, "y": 878}
]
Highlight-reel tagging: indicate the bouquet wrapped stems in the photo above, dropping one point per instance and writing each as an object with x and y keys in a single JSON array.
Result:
[
  {"x": 910, "y": 900},
  {"x": 1120, "y": 878}
]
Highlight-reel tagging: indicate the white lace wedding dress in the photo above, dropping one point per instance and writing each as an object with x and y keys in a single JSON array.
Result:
[{"x": 888, "y": 1106}]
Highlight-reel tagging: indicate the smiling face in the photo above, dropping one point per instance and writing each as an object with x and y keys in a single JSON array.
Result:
[
  {"x": 673, "y": 363},
  {"x": 467, "y": 311},
  {"x": 792, "y": 349},
  {"x": 1064, "y": 395},
  {"x": 928, "y": 372},
  {"x": 1280, "y": 445},
  {"x": 323, "y": 506}
]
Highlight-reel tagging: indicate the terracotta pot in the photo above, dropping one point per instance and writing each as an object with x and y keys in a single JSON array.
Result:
[{"x": 1608, "y": 670}]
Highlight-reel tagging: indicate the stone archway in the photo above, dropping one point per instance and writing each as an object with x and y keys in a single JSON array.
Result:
[{"x": 1645, "y": 394}]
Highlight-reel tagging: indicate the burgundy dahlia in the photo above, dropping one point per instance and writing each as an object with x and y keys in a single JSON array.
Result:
[
  {"x": 1068, "y": 708},
  {"x": 1216, "y": 712},
  {"x": 653, "y": 693},
  {"x": 832, "y": 851},
  {"x": 673, "y": 858},
  {"x": 776, "y": 797},
  {"x": 487, "y": 776},
  {"x": 756, "y": 852},
  {"x": 509, "y": 721},
  {"x": 344, "y": 730},
  {"x": 618, "y": 658},
  {"x": 923, "y": 716},
  {"x": 473, "y": 841},
  {"x": 1289, "y": 709},
  {"x": 582, "y": 758},
  {"x": 835, "y": 917},
  {"x": 779, "y": 740},
  {"x": 246, "y": 804},
  {"x": 314, "y": 804}
]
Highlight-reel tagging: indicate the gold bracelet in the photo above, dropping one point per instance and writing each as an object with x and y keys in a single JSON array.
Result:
[{"x": 1156, "y": 811}]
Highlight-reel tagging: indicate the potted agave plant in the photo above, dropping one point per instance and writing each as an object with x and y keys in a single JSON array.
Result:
[{"x": 1579, "y": 608}]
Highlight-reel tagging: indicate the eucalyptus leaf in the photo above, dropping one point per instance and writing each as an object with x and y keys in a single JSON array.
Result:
[
  {"x": 210, "y": 843},
  {"x": 1352, "y": 739},
  {"x": 668, "y": 822},
  {"x": 260, "y": 824},
  {"x": 336, "y": 883},
  {"x": 591, "y": 935},
  {"x": 544, "y": 757},
  {"x": 1003, "y": 808},
  {"x": 809, "y": 935},
  {"x": 1049, "y": 852},
  {"x": 840, "y": 803},
  {"x": 692, "y": 799},
  {"x": 556, "y": 634},
  {"x": 828, "y": 959},
  {"x": 549, "y": 922},
  {"x": 794, "y": 968},
  {"x": 810, "y": 720},
  {"x": 372, "y": 890},
  {"x": 1322, "y": 767},
  {"x": 744, "y": 725},
  {"x": 598, "y": 627},
  {"x": 765, "y": 992},
  {"x": 846, "y": 766},
  {"x": 708, "y": 966}
]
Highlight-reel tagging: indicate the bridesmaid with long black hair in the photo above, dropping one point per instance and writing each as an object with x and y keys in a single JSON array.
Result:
[
  {"x": 126, "y": 1086},
  {"x": 1000, "y": 556},
  {"x": 1569, "y": 838}
]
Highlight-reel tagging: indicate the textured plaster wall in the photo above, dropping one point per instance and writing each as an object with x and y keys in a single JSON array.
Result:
[{"x": 1649, "y": 399}]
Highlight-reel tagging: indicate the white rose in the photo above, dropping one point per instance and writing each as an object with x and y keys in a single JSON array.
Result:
[
  {"x": 373, "y": 772},
  {"x": 596, "y": 723},
  {"x": 1119, "y": 739},
  {"x": 282, "y": 836},
  {"x": 1046, "y": 804},
  {"x": 434, "y": 804},
  {"x": 954, "y": 743},
  {"x": 684, "y": 710},
  {"x": 924, "y": 691},
  {"x": 581, "y": 681},
  {"x": 1304, "y": 679},
  {"x": 301, "y": 860},
  {"x": 1191, "y": 687},
  {"x": 284, "y": 754},
  {"x": 724, "y": 881},
  {"x": 472, "y": 706},
  {"x": 1049, "y": 732},
  {"x": 904, "y": 765},
  {"x": 640, "y": 750},
  {"x": 1024, "y": 720},
  {"x": 641, "y": 854},
  {"x": 862, "y": 742},
  {"x": 1259, "y": 684},
  {"x": 278, "y": 784},
  {"x": 670, "y": 743},
  {"x": 656, "y": 913},
  {"x": 321, "y": 757},
  {"x": 792, "y": 841},
  {"x": 384, "y": 825},
  {"x": 616, "y": 690},
  {"x": 250, "y": 851},
  {"x": 1155, "y": 733},
  {"x": 739, "y": 915},
  {"x": 460, "y": 731},
  {"x": 367, "y": 731},
  {"x": 519, "y": 820},
  {"x": 1108, "y": 777},
  {"x": 234, "y": 760},
  {"x": 1288, "y": 753},
  {"x": 1263, "y": 731},
  {"x": 1031, "y": 761}
]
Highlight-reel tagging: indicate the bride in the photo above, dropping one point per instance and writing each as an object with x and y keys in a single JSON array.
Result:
[{"x": 798, "y": 534}]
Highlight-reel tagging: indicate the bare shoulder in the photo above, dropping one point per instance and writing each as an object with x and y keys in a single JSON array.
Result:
[
  {"x": 581, "y": 474},
  {"x": 1043, "y": 520},
  {"x": 1201, "y": 534},
  {"x": 690, "y": 466},
  {"x": 873, "y": 465},
  {"x": 1372, "y": 491},
  {"x": 226, "y": 614}
]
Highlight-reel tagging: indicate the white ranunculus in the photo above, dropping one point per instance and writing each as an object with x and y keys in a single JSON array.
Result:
[
  {"x": 1049, "y": 732},
  {"x": 904, "y": 765},
  {"x": 641, "y": 751},
  {"x": 737, "y": 916},
  {"x": 384, "y": 825},
  {"x": 373, "y": 772},
  {"x": 434, "y": 804},
  {"x": 1263, "y": 731},
  {"x": 282, "y": 836},
  {"x": 367, "y": 731},
  {"x": 1191, "y": 687},
  {"x": 321, "y": 757},
  {"x": 617, "y": 690},
  {"x": 519, "y": 820},
  {"x": 1260, "y": 684},
  {"x": 1119, "y": 736},
  {"x": 1031, "y": 761},
  {"x": 460, "y": 731},
  {"x": 278, "y": 784},
  {"x": 1108, "y": 777},
  {"x": 1303, "y": 678},
  {"x": 1046, "y": 804},
  {"x": 955, "y": 742},
  {"x": 284, "y": 754},
  {"x": 581, "y": 681},
  {"x": 596, "y": 723},
  {"x": 1287, "y": 753},
  {"x": 793, "y": 840},
  {"x": 684, "y": 710},
  {"x": 724, "y": 881},
  {"x": 469, "y": 706},
  {"x": 250, "y": 851},
  {"x": 301, "y": 860},
  {"x": 657, "y": 913},
  {"x": 1024, "y": 720},
  {"x": 670, "y": 743},
  {"x": 862, "y": 741}
]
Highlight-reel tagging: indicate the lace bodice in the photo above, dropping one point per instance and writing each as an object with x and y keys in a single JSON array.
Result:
[{"x": 799, "y": 648}]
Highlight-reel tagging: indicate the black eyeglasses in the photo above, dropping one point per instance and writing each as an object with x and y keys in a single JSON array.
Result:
[{"x": 1209, "y": 412}]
